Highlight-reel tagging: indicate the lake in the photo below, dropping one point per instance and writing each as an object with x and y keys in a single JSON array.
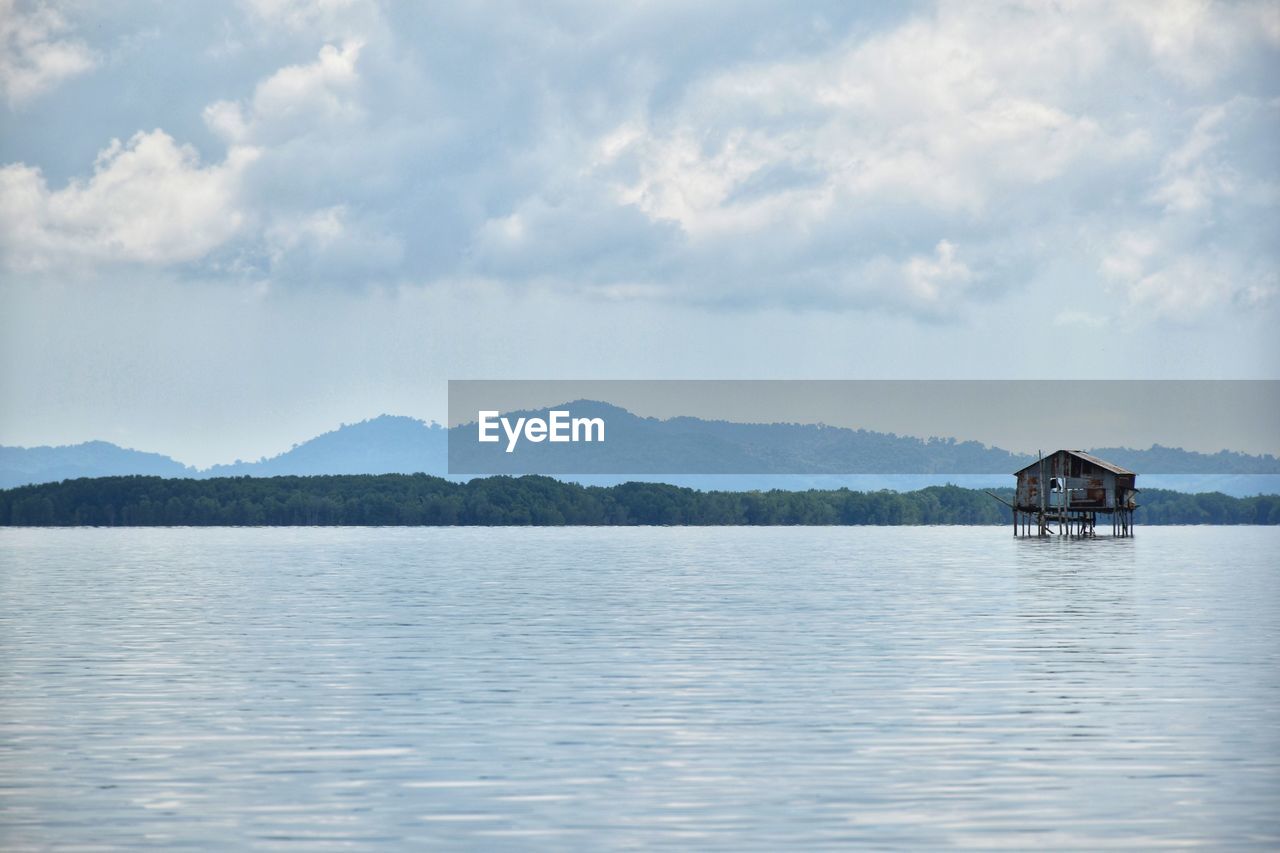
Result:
[{"x": 588, "y": 688}]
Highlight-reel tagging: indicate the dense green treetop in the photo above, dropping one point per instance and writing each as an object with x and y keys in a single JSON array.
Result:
[{"x": 419, "y": 499}]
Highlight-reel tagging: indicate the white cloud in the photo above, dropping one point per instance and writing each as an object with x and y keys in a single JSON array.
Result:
[
  {"x": 296, "y": 99},
  {"x": 1205, "y": 236},
  {"x": 329, "y": 244},
  {"x": 995, "y": 121},
  {"x": 1196, "y": 40},
  {"x": 931, "y": 280},
  {"x": 1225, "y": 157},
  {"x": 914, "y": 162},
  {"x": 36, "y": 52},
  {"x": 1161, "y": 276},
  {"x": 1187, "y": 181},
  {"x": 149, "y": 201},
  {"x": 927, "y": 113},
  {"x": 796, "y": 172},
  {"x": 934, "y": 285}
]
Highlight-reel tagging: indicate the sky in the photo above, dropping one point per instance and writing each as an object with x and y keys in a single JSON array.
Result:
[{"x": 227, "y": 227}]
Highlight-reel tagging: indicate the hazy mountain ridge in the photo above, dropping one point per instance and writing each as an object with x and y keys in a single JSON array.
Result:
[
  {"x": 387, "y": 444},
  {"x": 695, "y": 447},
  {"x": 1159, "y": 458},
  {"x": 710, "y": 452},
  {"x": 22, "y": 465}
]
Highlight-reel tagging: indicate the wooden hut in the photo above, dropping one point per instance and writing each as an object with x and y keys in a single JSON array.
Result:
[{"x": 1070, "y": 489}]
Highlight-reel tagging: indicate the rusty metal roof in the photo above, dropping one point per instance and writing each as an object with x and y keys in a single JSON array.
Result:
[
  {"x": 1088, "y": 457},
  {"x": 1101, "y": 463}
]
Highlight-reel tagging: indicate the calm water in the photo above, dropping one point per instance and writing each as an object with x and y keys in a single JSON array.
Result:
[{"x": 590, "y": 688}]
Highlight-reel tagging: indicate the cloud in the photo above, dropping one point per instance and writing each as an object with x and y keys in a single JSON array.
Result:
[
  {"x": 1161, "y": 276},
  {"x": 1181, "y": 285},
  {"x": 1227, "y": 157},
  {"x": 1196, "y": 40},
  {"x": 152, "y": 202},
  {"x": 967, "y": 120},
  {"x": 914, "y": 161},
  {"x": 1204, "y": 236},
  {"x": 149, "y": 201},
  {"x": 829, "y": 179},
  {"x": 36, "y": 52},
  {"x": 1188, "y": 180},
  {"x": 295, "y": 100},
  {"x": 329, "y": 244},
  {"x": 927, "y": 280},
  {"x": 919, "y": 114}
]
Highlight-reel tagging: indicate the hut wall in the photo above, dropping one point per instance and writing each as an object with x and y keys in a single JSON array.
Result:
[{"x": 1088, "y": 486}]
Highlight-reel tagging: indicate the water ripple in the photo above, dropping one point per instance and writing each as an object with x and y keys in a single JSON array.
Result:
[{"x": 712, "y": 688}]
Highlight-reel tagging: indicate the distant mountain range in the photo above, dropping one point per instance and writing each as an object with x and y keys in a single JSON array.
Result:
[
  {"x": 687, "y": 445},
  {"x": 387, "y": 444},
  {"x": 711, "y": 454},
  {"x": 22, "y": 465}
]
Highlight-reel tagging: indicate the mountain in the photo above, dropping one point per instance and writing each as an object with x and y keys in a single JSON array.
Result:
[
  {"x": 1175, "y": 460},
  {"x": 692, "y": 446},
  {"x": 22, "y": 465},
  {"x": 707, "y": 455},
  {"x": 387, "y": 444}
]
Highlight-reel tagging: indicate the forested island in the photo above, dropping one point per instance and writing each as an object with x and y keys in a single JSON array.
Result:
[{"x": 419, "y": 499}]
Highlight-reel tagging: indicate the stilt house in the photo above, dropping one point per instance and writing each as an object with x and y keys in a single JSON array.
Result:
[{"x": 1070, "y": 489}]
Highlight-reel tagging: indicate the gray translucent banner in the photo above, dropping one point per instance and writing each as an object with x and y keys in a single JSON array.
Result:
[{"x": 682, "y": 427}]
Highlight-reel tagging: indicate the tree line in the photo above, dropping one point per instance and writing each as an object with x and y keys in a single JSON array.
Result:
[{"x": 419, "y": 499}]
